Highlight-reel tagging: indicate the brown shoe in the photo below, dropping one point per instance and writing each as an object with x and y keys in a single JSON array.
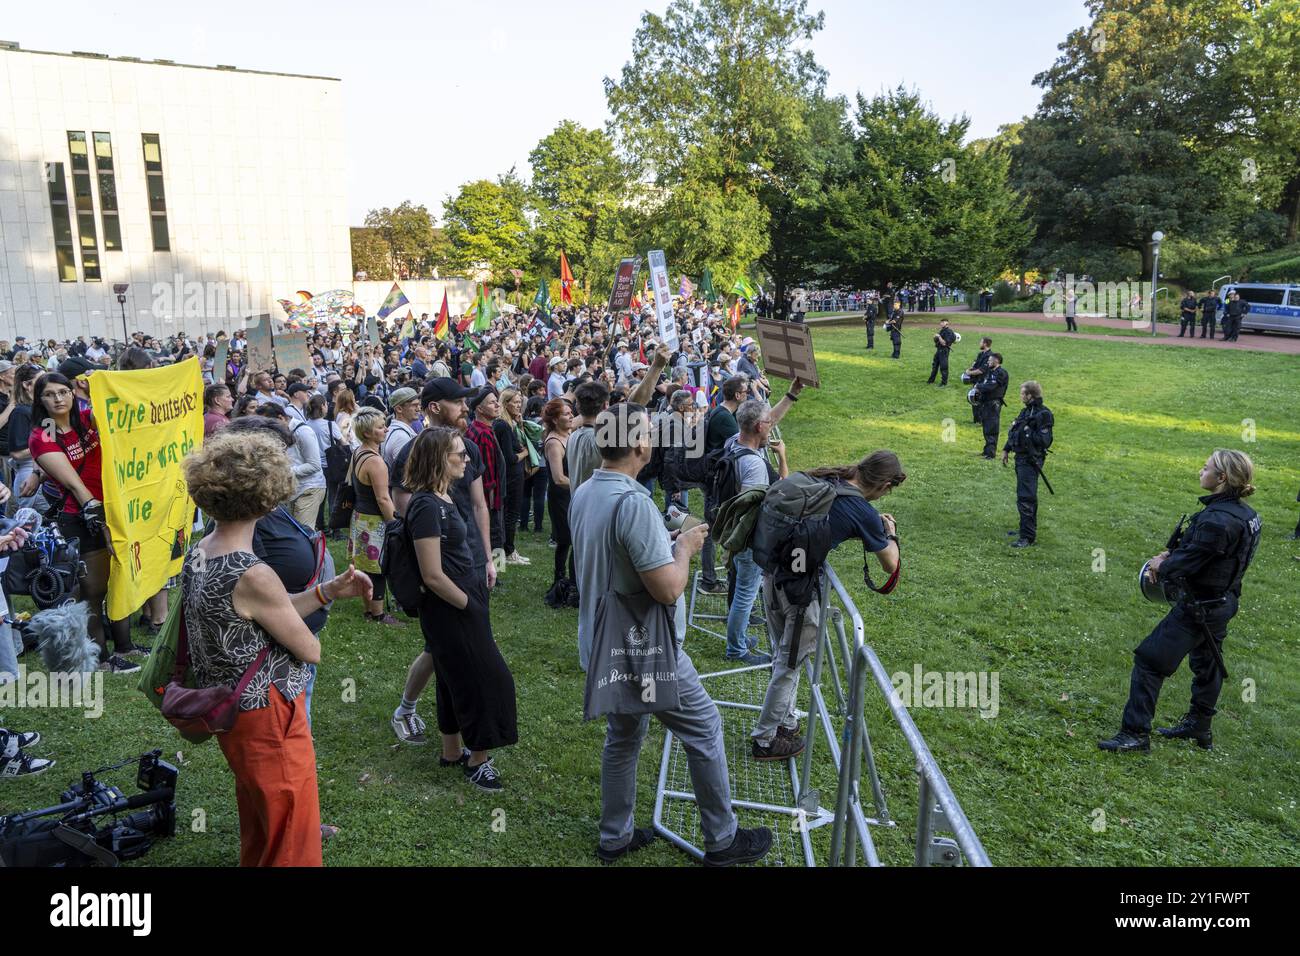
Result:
[
  {"x": 783, "y": 731},
  {"x": 781, "y": 748}
]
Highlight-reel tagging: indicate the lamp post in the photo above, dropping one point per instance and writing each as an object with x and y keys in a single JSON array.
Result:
[
  {"x": 1156, "y": 238},
  {"x": 120, "y": 288}
]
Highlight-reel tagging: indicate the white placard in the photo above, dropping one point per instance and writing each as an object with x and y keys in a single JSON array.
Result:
[{"x": 663, "y": 299}]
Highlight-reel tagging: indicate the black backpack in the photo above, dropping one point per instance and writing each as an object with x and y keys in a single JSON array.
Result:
[
  {"x": 687, "y": 463},
  {"x": 401, "y": 565},
  {"x": 724, "y": 478}
]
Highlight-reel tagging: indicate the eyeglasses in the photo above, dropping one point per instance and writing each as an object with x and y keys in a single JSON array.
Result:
[
  {"x": 462, "y": 455},
  {"x": 58, "y": 395}
]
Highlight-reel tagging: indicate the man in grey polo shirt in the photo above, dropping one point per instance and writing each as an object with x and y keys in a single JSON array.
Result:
[{"x": 639, "y": 555}]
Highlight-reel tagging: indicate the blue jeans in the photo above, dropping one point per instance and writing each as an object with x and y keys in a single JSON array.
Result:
[
  {"x": 311, "y": 682},
  {"x": 749, "y": 577},
  {"x": 8, "y": 653}
]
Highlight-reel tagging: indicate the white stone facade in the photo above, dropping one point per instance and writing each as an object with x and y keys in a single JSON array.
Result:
[{"x": 254, "y": 167}]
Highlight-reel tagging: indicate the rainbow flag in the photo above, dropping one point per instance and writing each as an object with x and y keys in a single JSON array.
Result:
[{"x": 395, "y": 300}]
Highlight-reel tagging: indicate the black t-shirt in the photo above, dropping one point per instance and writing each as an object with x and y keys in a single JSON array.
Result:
[
  {"x": 509, "y": 445},
  {"x": 428, "y": 516},
  {"x": 282, "y": 544},
  {"x": 461, "y": 493},
  {"x": 20, "y": 427},
  {"x": 533, "y": 410}
]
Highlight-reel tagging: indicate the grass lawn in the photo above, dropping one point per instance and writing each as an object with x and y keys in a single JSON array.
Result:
[
  {"x": 919, "y": 326},
  {"x": 1133, "y": 427}
]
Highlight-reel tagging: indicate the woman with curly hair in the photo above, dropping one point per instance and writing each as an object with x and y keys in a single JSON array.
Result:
[{"x": 239, "y": 617}]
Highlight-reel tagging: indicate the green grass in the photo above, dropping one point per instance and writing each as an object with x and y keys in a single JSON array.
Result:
[
  {"x": 919, "y": 326},
  {"x": 1133, "y": 427}
]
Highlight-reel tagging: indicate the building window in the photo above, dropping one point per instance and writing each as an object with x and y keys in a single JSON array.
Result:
[
  {"x": 83, "y": 200},
  {"x": 64, "y": 253},
  {"x": 157, "y": 197},
  {"x": 107, "y": 192}
]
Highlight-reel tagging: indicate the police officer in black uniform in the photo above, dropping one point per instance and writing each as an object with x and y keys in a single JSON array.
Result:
[
  {"x": 895, "y": 328},
  {"x": 1236, "y": 309},
  {"x": 990, "y": 391},
  {"x": 1210, "y": 304},
  {"x": 976, "y": 372},
  {"x": 943, "y": 342},
  {"x": 873, "y": 310},
  {"x": 1204, "y": 565},
  {"x": 1187, "y": 315},
  {"x": 1030, "y": 437}
]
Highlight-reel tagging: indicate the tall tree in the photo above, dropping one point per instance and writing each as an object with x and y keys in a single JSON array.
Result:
[
  {"x": 714, "y": 90},
  {"x": 370, "y": 253},
  {"x": 415, "y": 247},
  {"x": 578, "y": 185},
  {"x": 487, "y": 228}
]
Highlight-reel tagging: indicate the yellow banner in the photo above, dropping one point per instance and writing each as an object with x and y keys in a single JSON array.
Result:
[{"x": 148, "y": 420}]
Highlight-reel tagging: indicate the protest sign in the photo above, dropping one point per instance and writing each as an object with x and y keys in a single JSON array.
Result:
[
  {"x": 259, "y": 352},
  {"x": 624, "y": 282},
  {"x": 219, "y": 360},
  {"x": 291, "y": 352},
  {"x": 663, "y": 299},
  {"x": 148, "y": 421},
  {"x": 788, "y": 351},
  {"x": 372, "y": 330}
]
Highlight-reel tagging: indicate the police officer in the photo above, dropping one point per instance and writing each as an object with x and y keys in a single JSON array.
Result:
[
  {"x": 1210, "y": 304},
  {"x": 977, "y": 370},
  {"x": 1205, "y": 565},
  {"x": 943, "y": 343},
  {"x": 1187, "y": 315},
  {"x": 873, "y": 310},
  {"x": 895, "y": 328},
  {"x": 990, "y": 391},
  {"x": 1030, "y": 437},
  {"x": 1235, "y": 311}
]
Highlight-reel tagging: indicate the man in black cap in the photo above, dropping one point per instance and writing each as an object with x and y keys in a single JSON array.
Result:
[
  {"x": 300, "y": 394},
  {"x": 443, "y": 401}
]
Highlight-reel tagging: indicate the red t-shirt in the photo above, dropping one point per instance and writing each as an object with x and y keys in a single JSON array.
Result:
[{"x": 86, "y": 457}]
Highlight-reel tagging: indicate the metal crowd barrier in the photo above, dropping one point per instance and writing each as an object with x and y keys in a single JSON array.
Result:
[{"x": 844, "y": 667}]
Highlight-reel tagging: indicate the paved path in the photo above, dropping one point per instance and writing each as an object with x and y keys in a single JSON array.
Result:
[{"x": 1253, "y": 341}]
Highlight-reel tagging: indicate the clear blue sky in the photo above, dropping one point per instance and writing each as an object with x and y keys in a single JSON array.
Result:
[{"x": 439, "y": 93}]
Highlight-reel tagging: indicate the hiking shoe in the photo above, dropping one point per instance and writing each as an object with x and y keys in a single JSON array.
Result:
[
  {"x": 484, "y": 776},
  {"x": 23, "y": 765},
  {"x": 796, "y": 734},
  {"x": 781, "y": 748},
  {"x": 752, "y": 659},
  {"x": 460, "y": 761},
  {"x": 749, "y": 846},
  {"x": 385, "y": 618},
  {"x": 713, "y": 587},
  {"x": 119, "y": 665},
  {"x": 641, "y": 837},
  {"x": 409, "y": 728},
  {"x": 1190, "y": 727},
  {"x": 138, "y": 651},
  {"x": 1124, "y": 742}
]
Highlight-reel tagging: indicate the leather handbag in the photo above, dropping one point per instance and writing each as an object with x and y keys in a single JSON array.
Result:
[{"x": 200, "y": 712}]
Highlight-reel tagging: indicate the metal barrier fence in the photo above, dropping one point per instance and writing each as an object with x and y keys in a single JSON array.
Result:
[{"x": 835, "y": 677}]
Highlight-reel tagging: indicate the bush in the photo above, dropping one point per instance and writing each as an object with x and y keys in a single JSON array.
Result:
[{"x": 1274, "y": 265}]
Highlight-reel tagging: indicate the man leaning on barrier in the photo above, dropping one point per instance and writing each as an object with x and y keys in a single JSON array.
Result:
[{"x": 638, "y": 554}]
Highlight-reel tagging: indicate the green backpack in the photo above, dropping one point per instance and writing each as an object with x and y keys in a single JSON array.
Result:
[{"x": 157, "y": 672}]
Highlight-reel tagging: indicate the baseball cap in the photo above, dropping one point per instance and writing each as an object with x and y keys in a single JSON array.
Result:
[
  {"x": 557, "y": 360},
  {"x": 297, "y": 387},
  {"x": 401, "y": 396},
  {"x": 5, "y": 366},
  {"x": 72, "y": 367},
  {"x": 442, "y": 389}
]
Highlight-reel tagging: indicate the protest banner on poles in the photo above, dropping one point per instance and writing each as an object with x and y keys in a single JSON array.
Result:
[
  {"x": 663, "y": 299},
  {"x": 148, "y": 421}
]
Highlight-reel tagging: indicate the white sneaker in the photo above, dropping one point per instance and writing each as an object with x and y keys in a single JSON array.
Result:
[{"x": 517, "y": 558}]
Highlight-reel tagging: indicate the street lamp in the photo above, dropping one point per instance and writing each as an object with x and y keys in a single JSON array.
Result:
[
  {"x": 120, "y": 288},
  {"x": 1156, "y": 238}
]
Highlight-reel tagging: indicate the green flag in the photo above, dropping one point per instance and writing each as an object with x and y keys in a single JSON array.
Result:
[
  {"x": 743, "y": 289},
  {"x": 486, "y": 312},
  {"x": 706, "y": 286},
  {"x": 543, "y": 298}
]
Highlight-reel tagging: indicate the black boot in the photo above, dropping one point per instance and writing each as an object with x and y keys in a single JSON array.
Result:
[
  {"x": 1124, "y": 742},
  {"x": 1190, "y": 727}
]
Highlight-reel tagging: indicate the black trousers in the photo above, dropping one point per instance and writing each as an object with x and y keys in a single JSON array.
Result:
[
  {"x": 534, "y": 498},
  {"x": 1187, "y": 323},
  {"x": 476, "y": 691},
  {"x": 897, "y": 339},
  {"x": 558, "y": 504},
  {"x": 1027, "y": 497},
  {"x": 871, "y": 333},
  {"x": 1178, "y": 636},
  {"x": 990, "y": 416},
  {"x": 510, "y": 512},
  {"x": 1231, "y": 326},
  {"x": 1070, "y": 324},
  {"x": 1207, "y": 322},
  {"x": 940, "y": 364}
]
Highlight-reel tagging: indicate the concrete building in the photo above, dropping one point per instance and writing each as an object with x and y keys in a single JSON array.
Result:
[{"x": 209, "y": 192}]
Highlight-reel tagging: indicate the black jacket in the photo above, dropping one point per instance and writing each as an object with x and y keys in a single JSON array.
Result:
[
  {"x": 949, "y": 337},
  {"x": 992, "y": 386},
  {"x": 1031, "y": 432},
  {"x": 1215, "y": 549}
]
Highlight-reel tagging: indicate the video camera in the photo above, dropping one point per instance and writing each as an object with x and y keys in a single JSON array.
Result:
[
  {"x": 48, "y": 567},
  {"x": 75, "y": 838}
]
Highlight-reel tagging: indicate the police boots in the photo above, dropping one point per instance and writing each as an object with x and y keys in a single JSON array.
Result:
[
  {"x": 1190, "y": 727},
  {"x": 1124, "y": 742}
]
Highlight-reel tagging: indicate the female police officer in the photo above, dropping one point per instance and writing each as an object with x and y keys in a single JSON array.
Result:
[{"x": 1205, "y": 567}]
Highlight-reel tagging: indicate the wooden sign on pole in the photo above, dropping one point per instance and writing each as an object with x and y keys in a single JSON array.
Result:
[
  {"x": 788, "y": 351},
  {"x": 259, "y": 353},
  {"x": 291, "y": 352}
]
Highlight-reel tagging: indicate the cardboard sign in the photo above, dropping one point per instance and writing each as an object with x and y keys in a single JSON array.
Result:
[
  {"x": 219, "y": 361},
  {"x": 291, "y": 352},
  {"x": 663, "y": 300},
  {"x": 372, "y": 330},
  {"x": 259, "y": 353},
  {"x": 148, "y": 421},
  {"x": 788, "y": 351},
  {"x": 620, "y": 298}
]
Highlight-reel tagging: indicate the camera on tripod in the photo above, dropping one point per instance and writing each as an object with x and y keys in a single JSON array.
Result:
[{"x": 96, "y": 825}]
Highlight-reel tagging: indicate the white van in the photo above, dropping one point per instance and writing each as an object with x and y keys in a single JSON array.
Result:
[{"x": 1273, "y": 308}]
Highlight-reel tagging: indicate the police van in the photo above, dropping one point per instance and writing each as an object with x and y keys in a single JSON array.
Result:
[{"x": 1273, "y": 308}]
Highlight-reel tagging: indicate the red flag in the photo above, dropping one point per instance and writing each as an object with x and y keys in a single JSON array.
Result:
[
  {"x": 642, "y": 352},
  {"x": 566, "y": 281},
  {"x": 627, "y": 322},
  {"x": 735, "y": 315},
  {"x": 444, "y": 319}
]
